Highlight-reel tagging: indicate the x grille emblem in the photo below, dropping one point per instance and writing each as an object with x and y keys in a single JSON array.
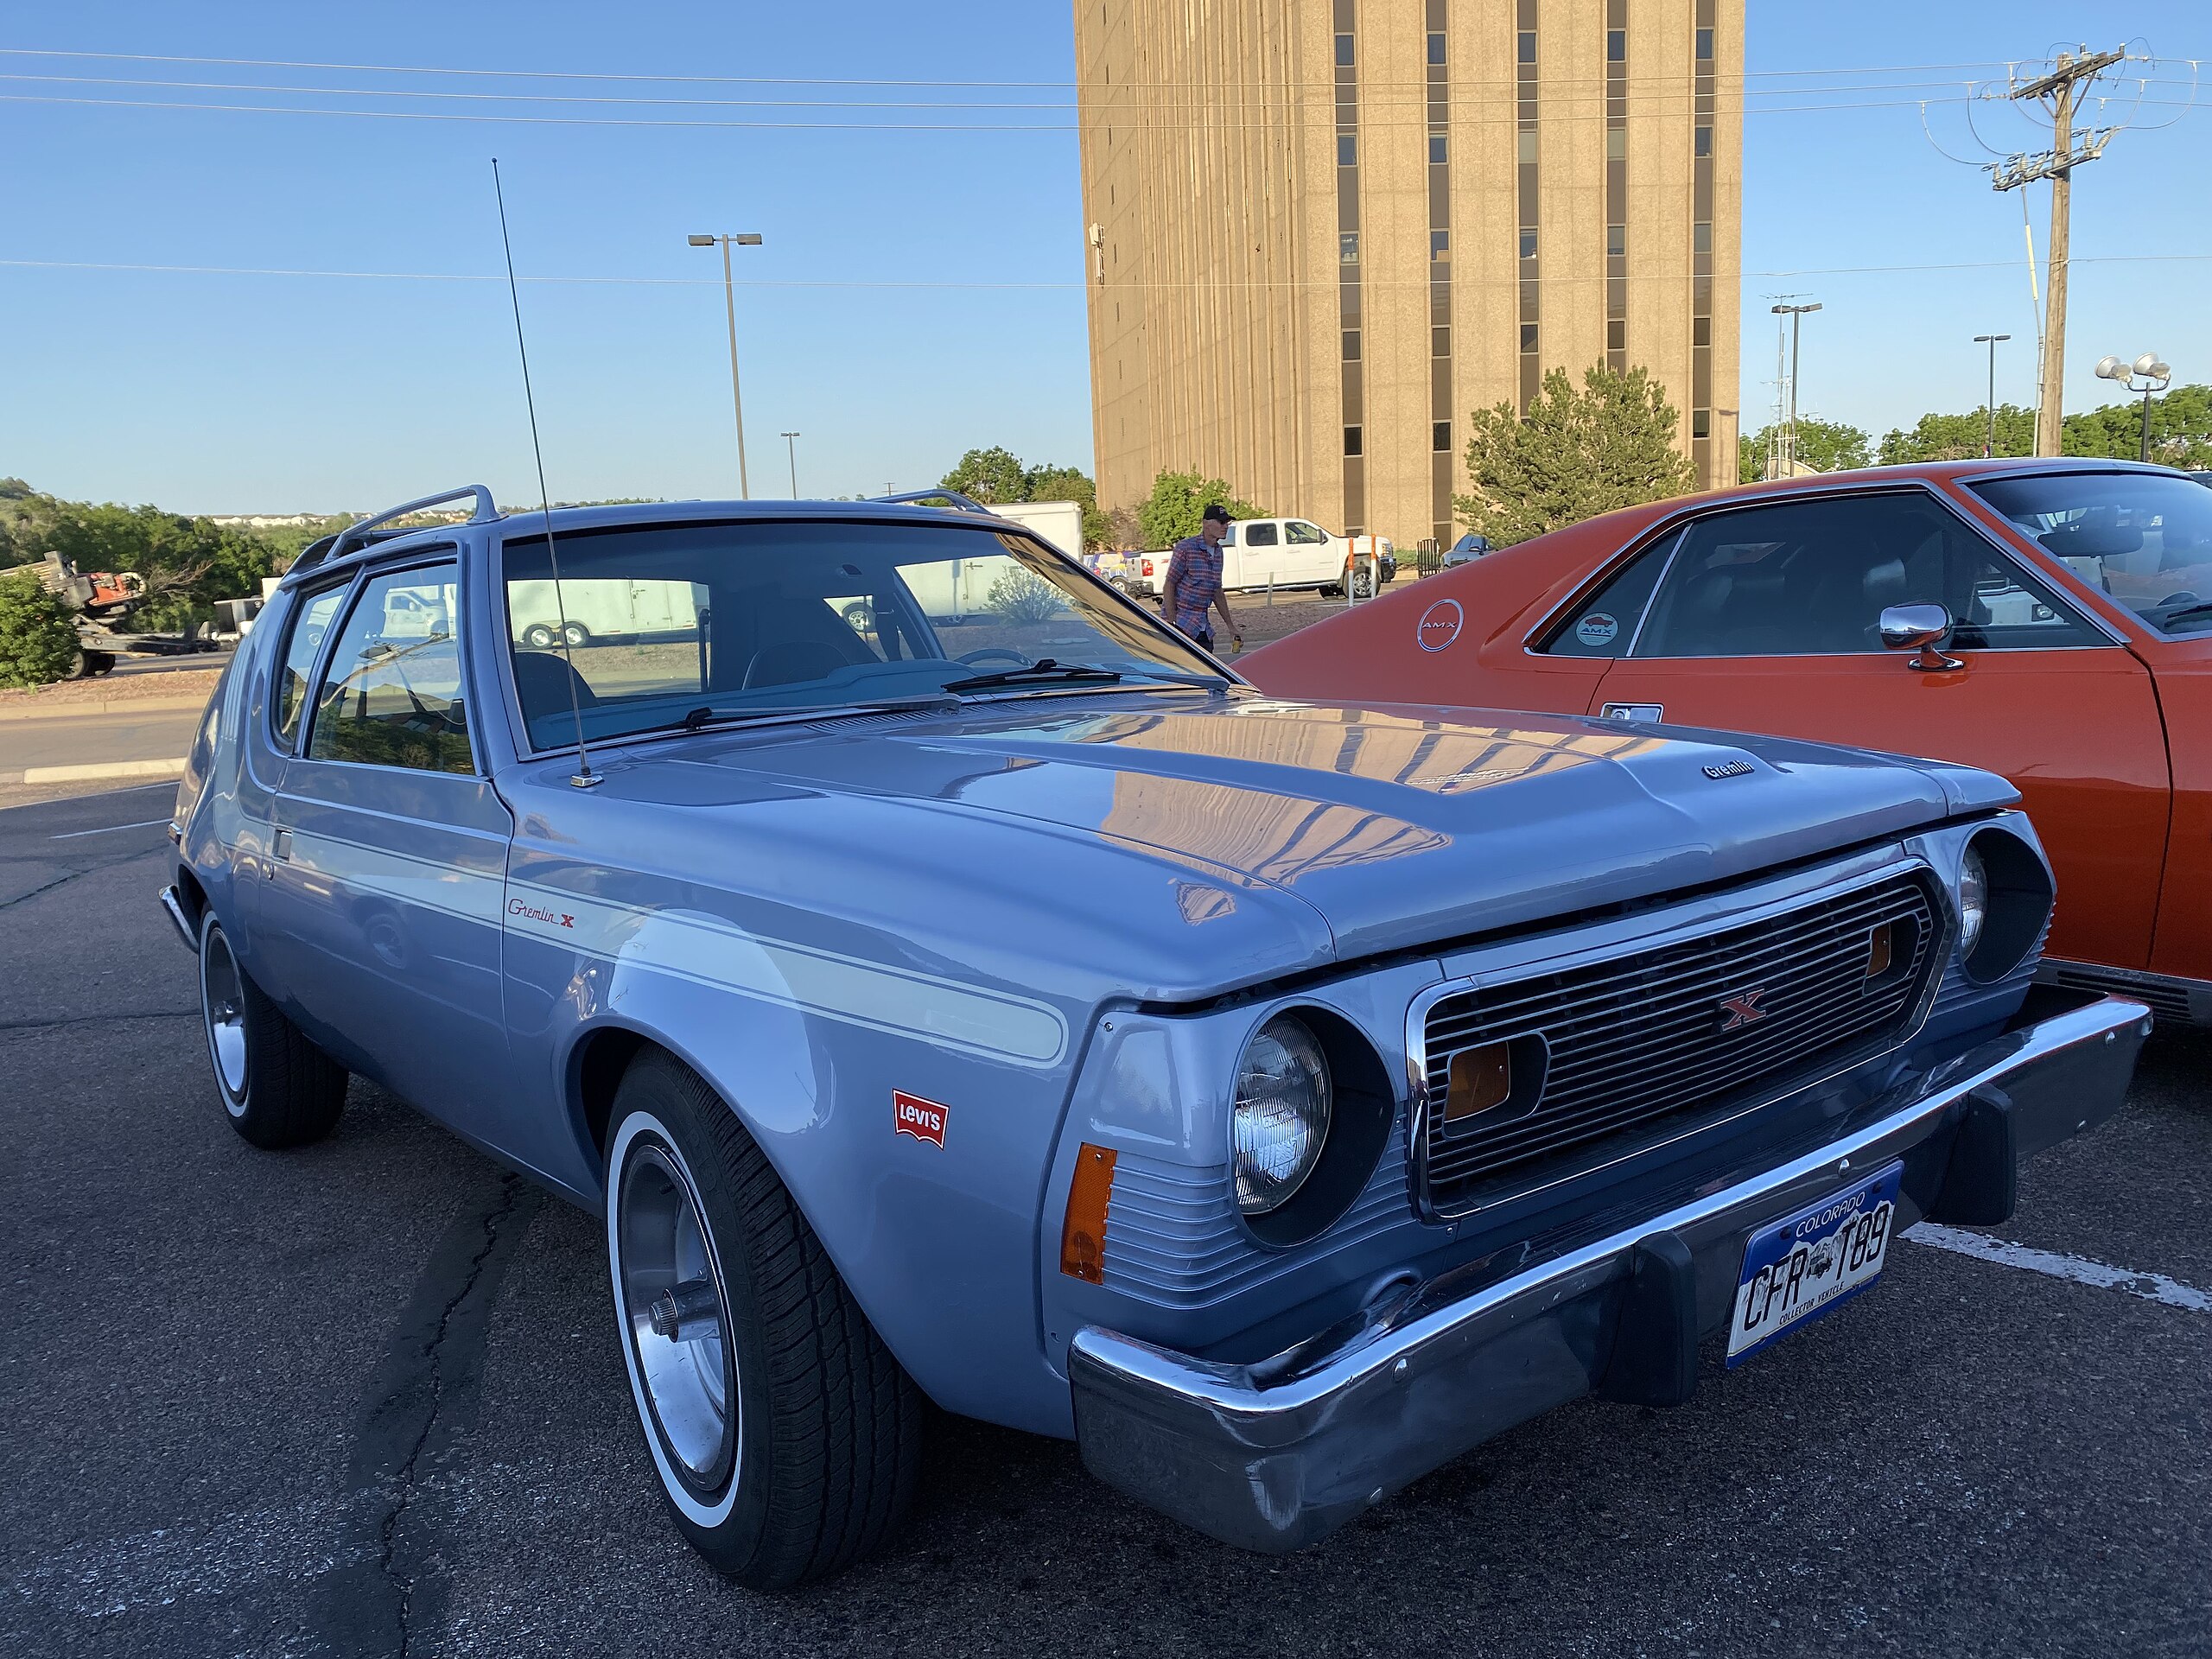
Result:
[{"x": 1742, "y": 1009}]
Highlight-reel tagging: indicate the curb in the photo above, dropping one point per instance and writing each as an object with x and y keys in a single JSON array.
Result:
[
  {"x": 104, "y": 706},
  {"x": 88, "y": 773}
]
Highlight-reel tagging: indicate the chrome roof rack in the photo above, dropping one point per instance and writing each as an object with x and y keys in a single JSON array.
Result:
[
  {"x": 961, "y": 503},
  {"x": 357, "y": 533}
]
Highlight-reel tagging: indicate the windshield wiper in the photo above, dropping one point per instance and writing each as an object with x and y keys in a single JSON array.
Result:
[
  {"x": 701, "y": 718},
  {"x": 2175, "y": 616},
  {"x": 1044, "y": 672}
]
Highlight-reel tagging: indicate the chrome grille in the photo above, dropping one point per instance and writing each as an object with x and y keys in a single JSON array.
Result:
[{"x": 1637, "y": 1040}]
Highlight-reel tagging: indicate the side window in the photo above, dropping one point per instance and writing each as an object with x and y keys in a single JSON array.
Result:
[
  {"x": 392, "y": 695},
  {"x": 1301, "y": 534},
  {"x": 1603, "y": 623},
  {"x": 311, "y": 620},
  {"x": 1229, "y": 536},
  {"x": 1260, "y": 536},
  {"x": 1813, "y": 577}
]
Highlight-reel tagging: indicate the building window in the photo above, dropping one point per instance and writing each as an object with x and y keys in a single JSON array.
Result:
[
  {"x": 1344, "y": 51},
  {"x": 1616, "y": 335},
  {"x": 1439, "y": 244},
  {"x": 1704, "y": 45},
  {"x": 1436, "y": 48},
  {"x": 1702, "y": 145},
  {"x": 1528, "y": 338},
  {"x": 1702, "y": 331},
  {"x": 1439, "y": 151},
  {"x": 1617, "y": 46},
  {"x": 1439, "y": 437},
  {"x": 1700, "y": 423},
  {"x": 1701, "y": 237},
  {"x": 1616, "y": 143},
  {"x": 1617, "y": 241},
  {"x": 1528, "y": 149},
  {"x": 1351, "y": 440},
  {"x": 1439, "y": 342},
  {"x": 1348, "y": 247},
  {"x": 1528, "y": 242},
  {"x": 1347, "y": 150},
  {"x": 1529, "y": 44},
  {"x": 1351, "y": 345}
]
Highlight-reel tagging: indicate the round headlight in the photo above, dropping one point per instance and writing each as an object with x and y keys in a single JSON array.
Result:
[
  {"x": 1973, "y": 900},
  {"x": 1282, "y": 1115}
]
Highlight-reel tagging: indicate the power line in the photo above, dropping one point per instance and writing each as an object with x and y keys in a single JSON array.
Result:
[{"x": 1056, "y": 286}]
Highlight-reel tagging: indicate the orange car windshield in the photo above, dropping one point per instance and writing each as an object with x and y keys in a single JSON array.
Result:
[{"x": 2144, "y": 538}]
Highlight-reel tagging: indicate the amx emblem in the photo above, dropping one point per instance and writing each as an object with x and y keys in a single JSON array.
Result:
[{"x": 1742, "y": 1009}]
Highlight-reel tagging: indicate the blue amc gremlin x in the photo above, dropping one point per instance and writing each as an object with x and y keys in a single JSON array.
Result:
[{"x": 952, "y": 985}]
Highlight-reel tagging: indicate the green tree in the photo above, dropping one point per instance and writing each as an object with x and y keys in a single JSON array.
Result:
[
  {"x": 1049, "y": 483},
  {"x": 1574, "y": 454},
  {"x": 989, "y": 475},
  {"x": 1960, "y": 437},
  {"x": 38, "y": 642},
  {"x": 1178, "y": 500},
  {"x": 1019, "y": 598},
  {"x": 1825, "y": 446}
]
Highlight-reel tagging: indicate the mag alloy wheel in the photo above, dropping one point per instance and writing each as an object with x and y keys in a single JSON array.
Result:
[
  {"x": 222, "y": 1008},
  {"x": 676, "y": 1320}
]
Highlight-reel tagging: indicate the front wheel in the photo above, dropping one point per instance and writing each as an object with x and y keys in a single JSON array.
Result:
[
  {"x": 278, "y": 1087},
  {"x": 786, "y": 1437},
  {"x": 1363, "y": 584}
]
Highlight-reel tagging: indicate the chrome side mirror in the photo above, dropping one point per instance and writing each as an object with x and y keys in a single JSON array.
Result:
[{"x": 1919, "y": 628}]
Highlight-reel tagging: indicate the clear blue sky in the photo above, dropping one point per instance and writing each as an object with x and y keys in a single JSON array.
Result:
[{"x": 226, "y": 393}]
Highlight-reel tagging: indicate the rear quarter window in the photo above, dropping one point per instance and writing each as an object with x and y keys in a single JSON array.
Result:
[{"x": 1604, "y": 622}]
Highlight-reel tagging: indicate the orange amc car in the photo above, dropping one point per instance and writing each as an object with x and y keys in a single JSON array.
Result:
[{"x": 2051, "y": 620}]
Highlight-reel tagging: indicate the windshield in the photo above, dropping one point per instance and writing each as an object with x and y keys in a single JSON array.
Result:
[
  {"x": 753, "y": 619},
  {"x": 2144, "y": 538}
]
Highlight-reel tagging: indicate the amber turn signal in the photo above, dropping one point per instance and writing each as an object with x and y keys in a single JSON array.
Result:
[
  {"x": 1481, "y": 1079},
  {"x": 1083, "y": 1235},
  {"x": 1880, "y": 951}
]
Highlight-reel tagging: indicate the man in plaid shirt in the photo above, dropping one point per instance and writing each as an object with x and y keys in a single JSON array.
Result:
[{"x": 1193, "y": 585}]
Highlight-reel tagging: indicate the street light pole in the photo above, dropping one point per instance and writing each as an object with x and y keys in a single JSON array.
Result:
[
  {"x": 2154, "y": 375},
  {"x": 1989, "y": 444},
  {"x": 1796, "y": 314},
  {"x": 745, "y": 239},
  {"x": 790, "y": 445}
]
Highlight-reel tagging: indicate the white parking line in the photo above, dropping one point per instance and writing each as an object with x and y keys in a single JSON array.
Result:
[
  {"x": 107, "y": 828},
  {"x": 2151, "y": 1287}
]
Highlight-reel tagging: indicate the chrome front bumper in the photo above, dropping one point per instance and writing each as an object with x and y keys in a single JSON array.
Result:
[{"x": 1274, "y": 1455}]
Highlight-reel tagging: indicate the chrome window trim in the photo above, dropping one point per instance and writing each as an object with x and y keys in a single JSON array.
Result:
[
  {"x": 1758, "y": 902},
  {"x": 1650, "y": 598},
  {"x": 1681, "y": 519}
]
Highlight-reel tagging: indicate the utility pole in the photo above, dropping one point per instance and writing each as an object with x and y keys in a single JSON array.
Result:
[
  {"x": 1796, "y": 315},
  {"x": 791, "y": 444},
  {"x": 1989, "y": 444},
  {"x": 2060, "y": 91}
]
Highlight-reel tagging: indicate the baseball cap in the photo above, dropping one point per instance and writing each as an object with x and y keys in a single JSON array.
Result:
[{"x": 1216, "y": 512}]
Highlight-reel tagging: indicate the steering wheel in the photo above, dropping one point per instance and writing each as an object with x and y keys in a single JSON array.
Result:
[
  {"x": 2184, "y": 597},
  {"x": 987, "y": 652}
]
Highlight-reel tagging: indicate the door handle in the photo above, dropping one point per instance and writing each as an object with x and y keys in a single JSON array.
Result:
[
  {"x": 280, "y": 849},
  {"x": 1641, "y": 712}
]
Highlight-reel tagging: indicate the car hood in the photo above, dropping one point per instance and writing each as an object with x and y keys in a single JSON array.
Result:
[{"x": 1396, "y": 826}]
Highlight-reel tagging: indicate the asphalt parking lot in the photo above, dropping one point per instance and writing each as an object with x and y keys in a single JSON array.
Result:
[{"x": 366, "y": 1398}]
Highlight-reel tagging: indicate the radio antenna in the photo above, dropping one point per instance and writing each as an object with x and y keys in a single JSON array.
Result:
[{"x": 584, "y": 777}]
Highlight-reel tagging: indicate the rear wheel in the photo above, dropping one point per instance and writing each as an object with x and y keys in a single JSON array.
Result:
[
  {"x": 538, "y": 637},
  {"x": 278, "y": 1087},
  {"x": 577, "y": 635},
  {"x": 786, "y": 1437}
]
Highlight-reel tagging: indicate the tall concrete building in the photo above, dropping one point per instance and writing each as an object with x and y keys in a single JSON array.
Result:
[{"x": 1321, "y": 232}]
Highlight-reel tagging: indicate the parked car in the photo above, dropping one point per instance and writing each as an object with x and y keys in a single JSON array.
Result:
[
  {"x": 2051, "y": 620},
  {"x": 1020, "y": 1012},
  {"x": 1259, "y": 554},
  {"x": 1469, "y": 548}
]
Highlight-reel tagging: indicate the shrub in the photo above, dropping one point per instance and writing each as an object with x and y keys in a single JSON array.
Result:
[
  {"x": 38, "y": 641},
  {"x": 1019, "y": 598}
]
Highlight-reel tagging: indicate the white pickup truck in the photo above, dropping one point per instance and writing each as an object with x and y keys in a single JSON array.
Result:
[{"x": 1287, "y": 553}]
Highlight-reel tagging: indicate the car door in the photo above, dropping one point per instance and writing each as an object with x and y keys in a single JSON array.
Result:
[
  {"x": 1311, "y": 555},
  {"x": 1258, "y": 561},
  {"x": 1766, "y": 618},
  {"x": 381, "y": 914}
]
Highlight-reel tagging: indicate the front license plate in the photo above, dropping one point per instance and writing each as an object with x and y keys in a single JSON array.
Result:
[{"x": 1814, "y": 1261}]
